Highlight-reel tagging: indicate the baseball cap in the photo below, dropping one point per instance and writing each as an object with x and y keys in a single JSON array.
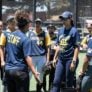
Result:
[
  {"x": 10, "y": 19},
  {"x": 38, "y": 20},
  {"x": 51, "y": 26},
  {"x": 66, "y": 15}
]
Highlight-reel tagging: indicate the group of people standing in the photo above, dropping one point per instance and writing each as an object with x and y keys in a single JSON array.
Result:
[{"x": 22, "y": 49}]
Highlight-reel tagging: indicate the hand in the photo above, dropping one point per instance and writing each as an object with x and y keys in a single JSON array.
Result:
[
  {"x": 54, "y": 63},
  {"x": 47, "y": 62},
  {"x": 85, "y": 46},
  {"x": 80, "y": 73},
  {"x": 2, "y": 63},
  {"x": 36, "y": 75},
  {"x": 72, "y": 66}
]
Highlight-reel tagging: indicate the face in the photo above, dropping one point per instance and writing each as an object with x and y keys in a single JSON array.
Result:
[
  {"x": 12, "y": 25},
  {"x": 1, "y": 26},
  {"x": 38, "y": 24},
  {"x": 67, "y": 22},
  {"x": 90, "y": 29},
  {"x": 51, "y": 30}
]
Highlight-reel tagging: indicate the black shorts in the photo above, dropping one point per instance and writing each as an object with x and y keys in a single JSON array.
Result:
[{"x": 17, "y": 81}]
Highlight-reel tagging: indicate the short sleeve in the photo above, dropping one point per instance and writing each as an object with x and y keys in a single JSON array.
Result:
[
  {"x": 76, "y": 39},
  {"x": 89, "y": 52},
  {"x": 48, "y": 39},
  {"x": 27, "y": 48},
  {"x": 84, "y": 41},
  {"x": 2, "y": 40},
  {"x": 57, "y": 39},
  {"x": 89, "y": 49}
]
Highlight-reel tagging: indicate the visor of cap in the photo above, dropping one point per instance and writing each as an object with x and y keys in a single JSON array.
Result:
[
  {"x": 10, "y": 18},
  {"x": 38, "y": 20}
]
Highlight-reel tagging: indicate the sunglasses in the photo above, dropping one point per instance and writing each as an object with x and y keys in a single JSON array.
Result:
[
  {"x": 38, "y": 22},
  {"x": 64, "y": 19}
]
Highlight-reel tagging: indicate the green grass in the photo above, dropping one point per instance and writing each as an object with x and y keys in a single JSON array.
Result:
[
  {"x": 81, "y": 57},
  {"x": 33, "y": 82}
]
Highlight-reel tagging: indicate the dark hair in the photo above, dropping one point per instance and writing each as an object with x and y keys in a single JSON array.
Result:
[
  {"x": 72, "y": 23},
  {"x": 51, "y": 26},
  {"x": 22, "y": 18},
  {"x": 22, "y": 22}
]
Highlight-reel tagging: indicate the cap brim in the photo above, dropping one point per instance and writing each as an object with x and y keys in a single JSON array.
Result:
[
  {"x": 38, "y": 21},
  {"x": 61, "y": 17}
]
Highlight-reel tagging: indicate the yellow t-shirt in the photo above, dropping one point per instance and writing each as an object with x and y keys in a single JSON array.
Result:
[
  {"x": 2, "y": 40},
  {"x": 48, "y": 39},
  {"x": 85, "y": 40}
]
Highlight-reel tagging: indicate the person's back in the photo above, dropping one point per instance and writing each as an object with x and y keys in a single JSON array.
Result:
[
  {"x": 18, "y": 57},
  {"x": 38, "y": 47},
  {"x": 14, "y": 50}
]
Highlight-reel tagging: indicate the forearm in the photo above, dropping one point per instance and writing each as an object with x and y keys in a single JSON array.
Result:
[
  {"x": 85, "y": 64},
  {"x": 76, "y": 52},
  {"x": 2, "y": 54},
  {"x": 48, "y": 54},
  {"x": 84, "y": 68},
  {"x": 56, "y": 53}
]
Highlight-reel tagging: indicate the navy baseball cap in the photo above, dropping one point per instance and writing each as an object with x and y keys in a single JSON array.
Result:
[{"x": 66, "y": 15}]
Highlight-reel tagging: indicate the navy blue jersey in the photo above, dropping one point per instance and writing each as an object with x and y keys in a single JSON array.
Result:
[
  {"x": 68, "y": 40},
  {"x": 17, "y": 47},
  {"x": 89, "y": 49},
  {"x": 39, "y": 42}
]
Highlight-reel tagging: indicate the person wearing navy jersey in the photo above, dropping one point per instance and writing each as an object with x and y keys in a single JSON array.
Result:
[
  {"x": 86, "y": 38},
  {"x": 86, "y": 85},
  {"x": 67, "y": 50},
  {"x": 52, "y": 31},
  {"x": 86, "y": 69},
  {"x": 17, "y": 57},
  {"x": 40, "y": 49}
]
